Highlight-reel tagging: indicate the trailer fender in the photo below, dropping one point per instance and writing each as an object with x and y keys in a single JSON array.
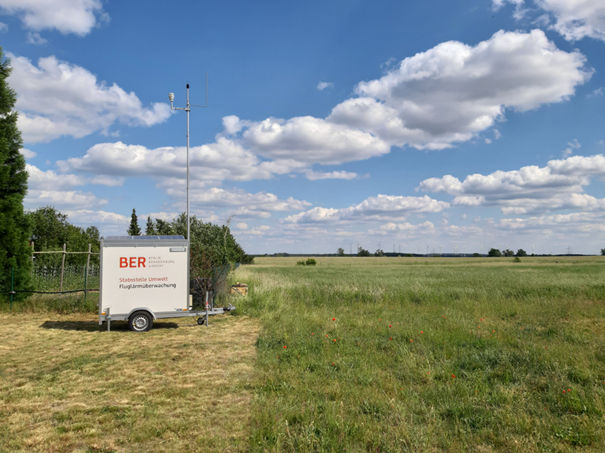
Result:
[{"x": 142, "y": 309}]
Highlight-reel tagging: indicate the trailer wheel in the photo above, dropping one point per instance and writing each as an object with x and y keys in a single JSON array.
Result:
[
  {"x": 140, "y": 321},
  {"x": 201, "y": 321}
]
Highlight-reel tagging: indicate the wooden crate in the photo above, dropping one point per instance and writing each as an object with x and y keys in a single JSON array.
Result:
[{"x": 239, "y": 290}]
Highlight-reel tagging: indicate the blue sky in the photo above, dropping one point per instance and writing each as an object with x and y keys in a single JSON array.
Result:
[{"x": 457, "y": 125}]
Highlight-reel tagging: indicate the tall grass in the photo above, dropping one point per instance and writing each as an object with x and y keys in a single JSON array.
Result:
[{"x": 429, "y": 355}]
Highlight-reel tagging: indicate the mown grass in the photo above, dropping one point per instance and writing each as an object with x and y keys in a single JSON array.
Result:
[
  {"x": 68, "y": 386},
  {"x": 429, "y": 354}
]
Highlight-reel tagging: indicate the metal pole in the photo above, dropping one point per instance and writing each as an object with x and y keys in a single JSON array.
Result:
[
  {"x": 188, "y": 223},
  {"x": 63, "y": 265},
  {"x": 86, "y": 274},
  {"x": 12, "y": 285},
  {"x": 206, "y": 308}
]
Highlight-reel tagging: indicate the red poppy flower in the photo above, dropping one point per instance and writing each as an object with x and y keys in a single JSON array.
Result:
[
  {"x": 333, "y": 319},
  {"x": 389, "y": 325},
  {"x": 312, "y": 334},
  {"x": 285, "y": 347},
  {"x": 453, "y": 376},
  {"x": 334, "y": 340},
  {"x": 411, "y": 340},
  {"x": 421, "y": 331}
]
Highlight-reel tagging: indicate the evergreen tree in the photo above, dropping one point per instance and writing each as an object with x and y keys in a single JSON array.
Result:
[
  {"x": 133, "y": 229},
  {"x": 15, "y": 252},
  {"x": 150, "y": 227}
]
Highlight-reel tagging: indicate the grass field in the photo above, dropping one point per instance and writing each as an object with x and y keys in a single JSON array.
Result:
[
  {"x": 410, "y": 354},
  {"x": 354, "y": 354}
]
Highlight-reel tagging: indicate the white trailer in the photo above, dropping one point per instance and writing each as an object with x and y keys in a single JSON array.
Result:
[{"x": 145, "y": 278}]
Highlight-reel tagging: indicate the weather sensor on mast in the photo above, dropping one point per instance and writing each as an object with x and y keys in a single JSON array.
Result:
[{"x": 188, "y": 109}]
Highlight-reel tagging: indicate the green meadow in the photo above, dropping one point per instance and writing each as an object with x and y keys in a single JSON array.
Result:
[
  {"x": 411, "y": 354},
  {"x": 350, "y": 355}
]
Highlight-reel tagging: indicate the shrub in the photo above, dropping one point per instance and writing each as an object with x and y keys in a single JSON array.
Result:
[
  {"x": 517, "y": 260},
  {"x": 311, "y": 262},
  {"x": 300, "y": 263}
]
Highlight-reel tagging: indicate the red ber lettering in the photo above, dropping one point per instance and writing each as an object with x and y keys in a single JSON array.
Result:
[
  {"x": 141, "y": 261},
  {"x": 133, "y": 261},
  {"x": 123, "y": 262}
]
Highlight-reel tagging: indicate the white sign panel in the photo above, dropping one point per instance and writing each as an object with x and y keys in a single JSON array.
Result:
[{"x": 145, "y": 277}]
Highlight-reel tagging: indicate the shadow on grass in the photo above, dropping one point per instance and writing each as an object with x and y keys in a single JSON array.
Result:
[{"x": 92, "y": 326}]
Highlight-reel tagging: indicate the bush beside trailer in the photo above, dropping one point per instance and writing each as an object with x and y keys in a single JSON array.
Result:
[{"x": 145, "y": 278}]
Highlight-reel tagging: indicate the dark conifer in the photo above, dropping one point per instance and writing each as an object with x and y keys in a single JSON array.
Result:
[
  {"x": 150, "y": 227},
  {"x": 15, "y": 252},
  {"x": 133, "y": 229}
]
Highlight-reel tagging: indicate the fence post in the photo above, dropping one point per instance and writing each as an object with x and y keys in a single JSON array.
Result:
[
  {"x": 63, "y": 265},
  {"x": 86, "y": 274},
  {"x": 12, "y": 285}
]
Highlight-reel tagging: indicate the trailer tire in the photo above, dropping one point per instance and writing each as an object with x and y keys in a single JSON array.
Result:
[
  {"x": 140, "y": 321},
  {"x": 200, "y": 321}
]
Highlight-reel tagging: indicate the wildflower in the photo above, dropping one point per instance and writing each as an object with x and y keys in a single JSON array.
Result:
[
  {"x": 357, "y": 344},
  {"x": 411, "y": 340},
  {"x": 312, "y": 334},
  {"x": 421, "y": 331},
  {"x": 453, "y": 376},
  {"x": 334, "y": 340},
  {"x": 389, "y": 325},
  {"x": 278, "y": 357},
  {"x": 546, "y": 347},
  {"x": 495, "y": 331},
  {"x": 569, "y": 390},
  {"x": 333, "y": 319},
  {"x": 563, "y": 391},
  {"x": 285, "y": 347},
  {"x": 390, "y": 338},
  {"x": 332, "y": 363},
  {"x": 428, "y": 372}
]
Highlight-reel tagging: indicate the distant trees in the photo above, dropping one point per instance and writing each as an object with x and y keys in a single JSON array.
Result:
[
  {"x": 507, "y": 252},
  {"x": 340, "y": 251},
  {"x": 362, "y": 252},
  {"x": 602, "y": 251},
  {"x": 494, "y": 252},
  {"x": 50, "y": 230},
  {"x": 378, "y": 252}
]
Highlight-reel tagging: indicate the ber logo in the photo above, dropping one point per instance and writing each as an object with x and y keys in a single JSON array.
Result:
[{"x": 133, "y": 261}]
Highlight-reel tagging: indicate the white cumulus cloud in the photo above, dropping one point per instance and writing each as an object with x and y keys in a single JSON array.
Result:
[
  {"x": 381, "y": 207},
  {"x": 56, "y": 98},
  {"x": 67, "y": 16},
  {"x": 573, "y": 19},
  {"x": 453, "y": 91},
  {"x": 557, "y": 186}
]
